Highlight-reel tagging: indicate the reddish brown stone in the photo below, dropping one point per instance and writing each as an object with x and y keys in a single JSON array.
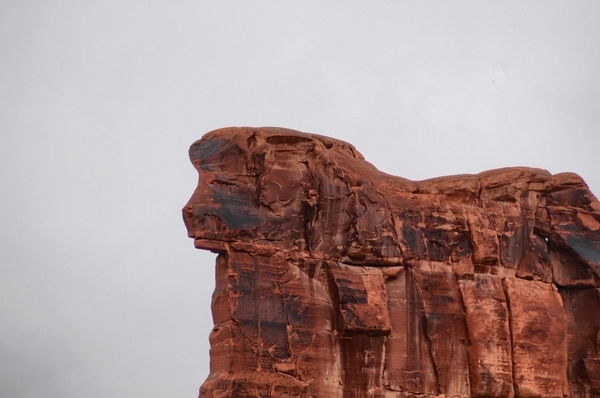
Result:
[
  {"x": 539, "y": 338},
  {"x": 337, "y": 280},
  {"x": 490, "y": 348}
]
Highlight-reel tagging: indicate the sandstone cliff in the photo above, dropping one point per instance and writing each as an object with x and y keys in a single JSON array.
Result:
[{"x": 334, "y": 279}]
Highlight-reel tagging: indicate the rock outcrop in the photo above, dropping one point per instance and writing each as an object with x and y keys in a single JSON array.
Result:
[{"x": 334, "y": 279}]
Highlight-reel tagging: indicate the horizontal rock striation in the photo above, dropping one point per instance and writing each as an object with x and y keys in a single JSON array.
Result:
[{"x": 334, "y": 279}]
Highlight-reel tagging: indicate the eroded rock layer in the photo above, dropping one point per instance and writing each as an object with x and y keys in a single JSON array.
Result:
[{"x": 334, "y": 279}]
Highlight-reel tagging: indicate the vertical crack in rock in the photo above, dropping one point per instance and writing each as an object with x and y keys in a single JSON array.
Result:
[
  {"x": 489, "y": 350},
  {"x": 257, "y": 310},
  {"x": 446, "y": 327},
  {"x": 512, "y": 334},
  {"x": 334, "y": 279},
  {"x": 409, "y": 363}
]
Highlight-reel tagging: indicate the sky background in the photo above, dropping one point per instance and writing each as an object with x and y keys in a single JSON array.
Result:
[{"x": 101, "y": 292}]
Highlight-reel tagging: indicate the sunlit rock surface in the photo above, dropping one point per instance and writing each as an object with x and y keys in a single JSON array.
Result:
[{"x": 334, "y": 279}]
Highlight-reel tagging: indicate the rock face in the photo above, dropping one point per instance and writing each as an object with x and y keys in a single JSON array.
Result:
[{"x": 334, "y": 279}]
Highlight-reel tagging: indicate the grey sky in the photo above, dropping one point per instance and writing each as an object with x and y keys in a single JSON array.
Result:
[{"x": 101, "y": 292}]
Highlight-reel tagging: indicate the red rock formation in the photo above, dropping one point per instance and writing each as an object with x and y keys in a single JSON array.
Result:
[{"x": 334, "y": 279}]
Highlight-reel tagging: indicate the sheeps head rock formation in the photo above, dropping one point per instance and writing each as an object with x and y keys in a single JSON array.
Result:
[{"x": 334, "y": 279}]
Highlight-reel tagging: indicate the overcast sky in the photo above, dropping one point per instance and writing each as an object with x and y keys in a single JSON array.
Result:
[{"x": 101, "y": 292}]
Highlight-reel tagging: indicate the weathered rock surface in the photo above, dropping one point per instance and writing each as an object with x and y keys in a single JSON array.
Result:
[{"x": 334, "y": 279}]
